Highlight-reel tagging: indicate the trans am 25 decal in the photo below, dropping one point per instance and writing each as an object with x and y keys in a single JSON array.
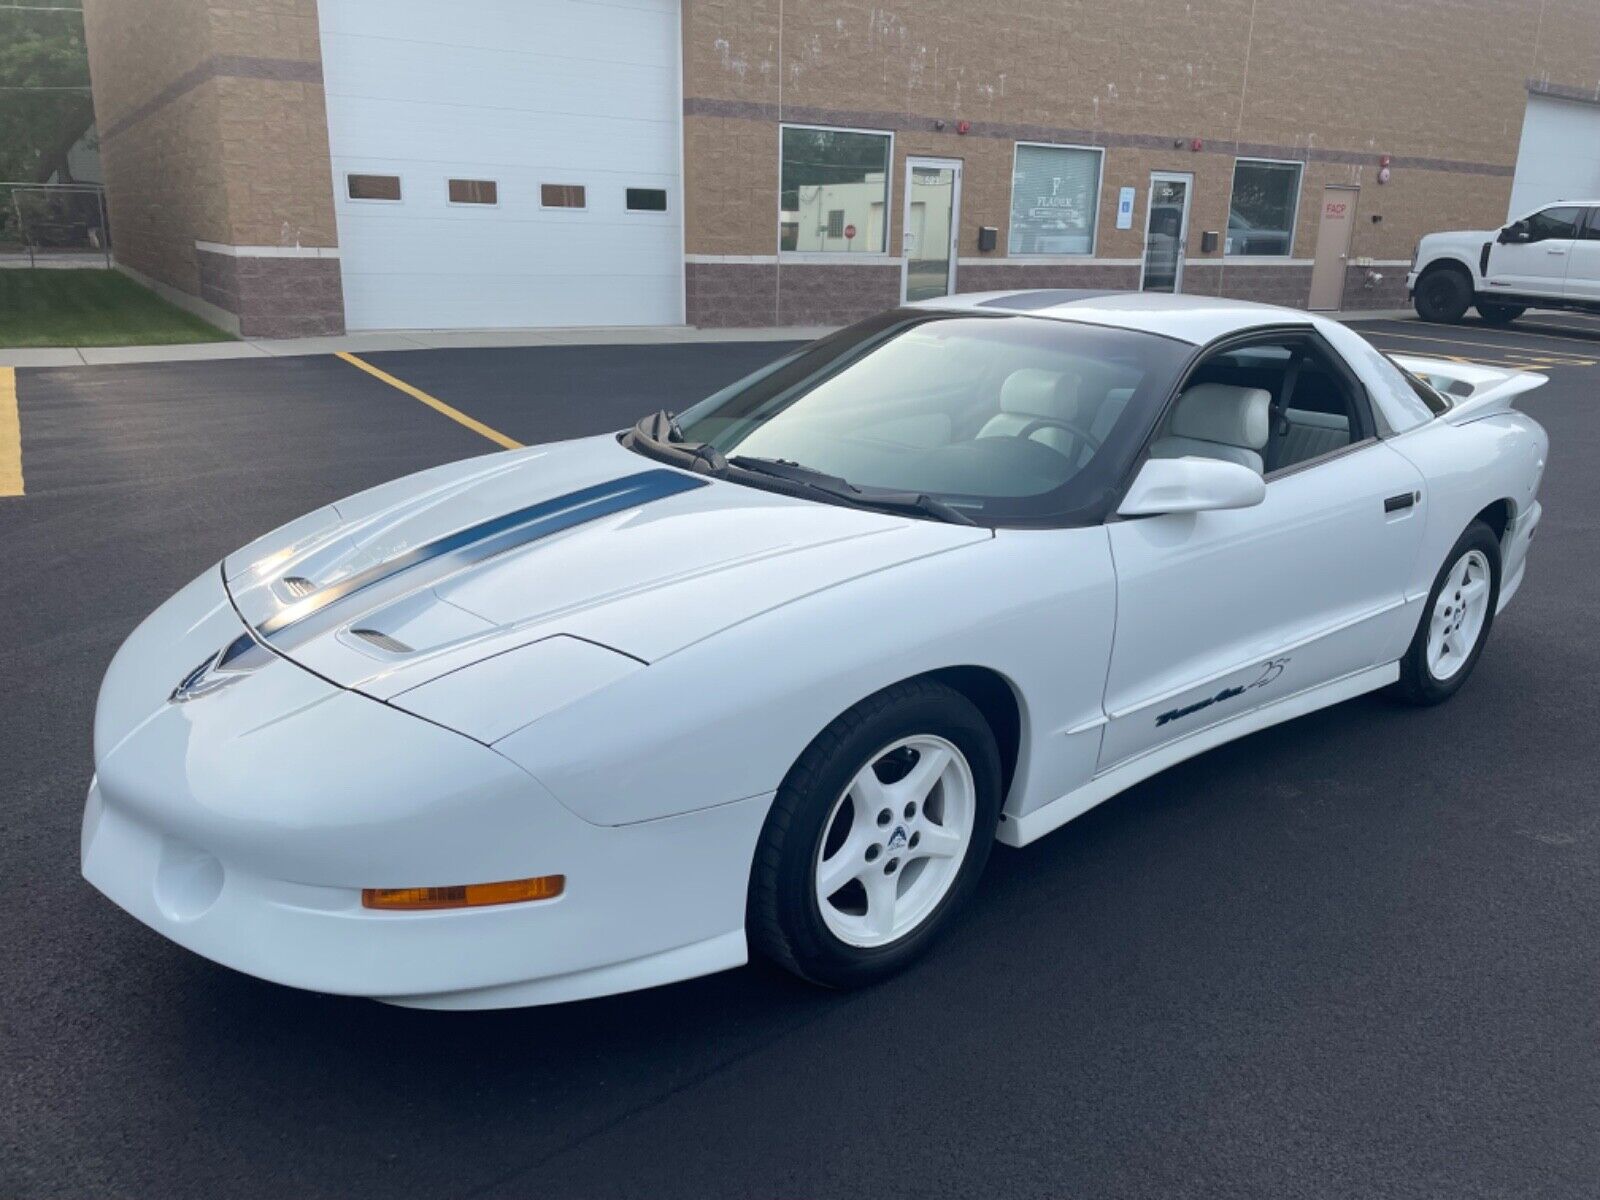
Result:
[{"x": 1270, "y": 670}]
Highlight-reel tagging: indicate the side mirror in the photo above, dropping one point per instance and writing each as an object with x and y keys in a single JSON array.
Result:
[
  {"x": 1186, "y": 485},
  {"x": 1516, "y": 232}
]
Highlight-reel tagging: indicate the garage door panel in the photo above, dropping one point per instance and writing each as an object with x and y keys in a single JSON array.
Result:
[
  {"x": 523, "y": 93},
  {"x": 544, "y": 84},
  {"x": 400, "y": 134},
  {"x": 632, "y": 31},
  {"x": 435, "y": 245},
  {"x": 1559, "y": 157}
]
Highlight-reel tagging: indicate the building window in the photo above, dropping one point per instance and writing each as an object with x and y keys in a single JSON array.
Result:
[
  {"x": 647, "y": 199},
  {"x": 1055, "y": 199},
  {"x": 833, "y": 190},
  {"x": 562, "y": 195},
  {"x": 1261, "y": 212},
  {"x": 373, "y": 187},
  {"x": 474, "y": 191}
]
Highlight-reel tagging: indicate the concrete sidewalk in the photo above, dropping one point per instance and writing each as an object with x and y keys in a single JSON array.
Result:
[
  {"x": 400, "y": 339},
  {"x": 453, "y": 339}
]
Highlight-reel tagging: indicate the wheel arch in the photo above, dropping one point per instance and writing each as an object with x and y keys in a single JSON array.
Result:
[
  {"x": 1449, "y": 262},
  {"x": 997, "y": 699},
  {"x": 1498, "y": 517}
]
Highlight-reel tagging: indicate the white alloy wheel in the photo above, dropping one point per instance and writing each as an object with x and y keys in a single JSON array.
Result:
[
  {"x": 1458, "y": 615},
  {"x": 895, "y": 840}
]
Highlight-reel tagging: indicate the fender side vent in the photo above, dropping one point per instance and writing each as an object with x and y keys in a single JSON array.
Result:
[
  {"x": 298, "y": 586},
  {"x": 382, "y": 640}
]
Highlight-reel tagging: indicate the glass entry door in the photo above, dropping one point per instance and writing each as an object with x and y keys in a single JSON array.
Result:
[
  {"x": 1166, "y": 232},
  {"x": 932, "y": 223}
]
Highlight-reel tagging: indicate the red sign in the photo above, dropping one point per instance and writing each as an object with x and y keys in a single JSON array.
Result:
[{"x": 849, "y": 231}]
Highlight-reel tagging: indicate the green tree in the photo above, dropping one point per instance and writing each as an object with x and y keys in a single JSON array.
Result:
[{"x": 45, "y": 105}]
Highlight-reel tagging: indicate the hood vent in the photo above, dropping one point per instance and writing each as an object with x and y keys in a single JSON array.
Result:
[
  {"x": 382, "y": 640},
  {"x": 298, "y": 586}
]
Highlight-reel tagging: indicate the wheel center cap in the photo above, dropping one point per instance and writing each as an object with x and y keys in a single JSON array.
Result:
[{"x": 897, "y": 839}]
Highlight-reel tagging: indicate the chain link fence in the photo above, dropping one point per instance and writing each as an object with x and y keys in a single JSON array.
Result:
[{"x": 46, "y": 224}]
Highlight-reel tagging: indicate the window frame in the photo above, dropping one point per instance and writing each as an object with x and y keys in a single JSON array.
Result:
[
  {"x": 397, "y": 176},
  {"x": 1099, "y": 192},
  {"x": 835, "y": 256},
  {"x": 495, "y": 183},
  {"x": 664, "y": 210},
  {"x": 573, "y": 208},
  {"x": 1294, "y": 217},
  {"x": 1579, "y": 226}
]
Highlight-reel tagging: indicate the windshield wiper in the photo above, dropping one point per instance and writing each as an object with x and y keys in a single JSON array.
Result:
[
  {"x": 662, "y": 431},
  {"x": 843, "y": 489}
]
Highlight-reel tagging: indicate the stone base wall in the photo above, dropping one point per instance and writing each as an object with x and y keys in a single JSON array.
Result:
[
  {"x": 275, "y": 297},
  {"x": 1288, "y": 284},
  {"x": 722, "y": 295},
  {"x": 1361, "y": 291}
]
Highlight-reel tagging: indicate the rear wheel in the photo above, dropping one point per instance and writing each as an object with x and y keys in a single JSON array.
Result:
[
  {"x": 1499, "y": 314},
  {"x": 877, "y": 836},
  {"x": 1456, "y": 621},
  {"x": 1443, "y": 294}
]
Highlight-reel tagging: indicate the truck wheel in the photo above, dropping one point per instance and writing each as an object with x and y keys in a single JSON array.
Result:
[
  {"x": 1499, "y": 314},
  {"x": 1443, "y": 295}
]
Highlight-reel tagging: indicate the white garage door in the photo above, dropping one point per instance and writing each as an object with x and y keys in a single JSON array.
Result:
[
  {"x": 559, "y": 120},
  {"x": 1560, "y": 154}
]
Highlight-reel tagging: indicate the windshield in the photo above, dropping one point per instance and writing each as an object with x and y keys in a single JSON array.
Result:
[{"x": 1008, "y": 419}]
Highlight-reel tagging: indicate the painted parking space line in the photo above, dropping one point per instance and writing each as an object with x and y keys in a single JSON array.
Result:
[
  {"x": 433, "y": 402},
  {"x": 1489, "y": 347},
  {"x": 10, "y": 435},
  {"x": 1523, "y": 332}
]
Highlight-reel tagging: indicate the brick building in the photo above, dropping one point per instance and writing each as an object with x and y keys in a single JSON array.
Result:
[{"x": 306, "y": 166}]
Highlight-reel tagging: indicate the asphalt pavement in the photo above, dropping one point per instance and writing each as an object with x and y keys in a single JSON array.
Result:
[{"x": 1354, "y": 955}]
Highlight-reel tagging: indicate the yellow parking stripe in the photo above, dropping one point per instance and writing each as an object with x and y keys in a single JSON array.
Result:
[
  {"x": 10, "y": 435},
  {"x": 433, "y": 402}
]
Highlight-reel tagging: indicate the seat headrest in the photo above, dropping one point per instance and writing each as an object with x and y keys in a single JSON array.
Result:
[
  {"x": 1223, "y": 413},
  {"x": 1035, "y": 392}
]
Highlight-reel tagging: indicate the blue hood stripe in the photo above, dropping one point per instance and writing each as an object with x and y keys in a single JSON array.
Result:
[{"x": 496, "y": 536}]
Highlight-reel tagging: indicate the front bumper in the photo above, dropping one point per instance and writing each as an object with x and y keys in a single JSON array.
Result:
[
  {"x": 1411, "y": 282},
  {"x": 645, "y": 904},
  {"x": 244, "y": 823}
]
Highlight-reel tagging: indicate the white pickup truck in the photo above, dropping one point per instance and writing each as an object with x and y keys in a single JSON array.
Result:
[{"x": 1547, "y": 259}]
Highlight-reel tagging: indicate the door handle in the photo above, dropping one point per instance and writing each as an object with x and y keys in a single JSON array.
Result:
[
  {"x": 1404, "y": 500},
  {"x": 1555, "y": 250}
]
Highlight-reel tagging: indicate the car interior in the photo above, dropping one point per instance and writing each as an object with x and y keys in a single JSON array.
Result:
[{"x": 1269, "y": 407}]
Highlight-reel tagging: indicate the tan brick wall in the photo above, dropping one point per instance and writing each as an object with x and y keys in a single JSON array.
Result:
[
  {"x": 213, "y": 129},
  {"x": 1442, "y": 81}
]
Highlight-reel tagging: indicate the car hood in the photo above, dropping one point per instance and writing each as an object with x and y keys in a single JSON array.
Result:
[{"x": 415, "y": 579}]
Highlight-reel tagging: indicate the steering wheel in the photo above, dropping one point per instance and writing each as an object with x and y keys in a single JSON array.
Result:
[{"x": 1080, "y": 436}]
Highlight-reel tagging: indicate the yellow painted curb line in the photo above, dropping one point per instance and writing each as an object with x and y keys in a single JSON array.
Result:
[
  {"x": 433, "y": 402},
  {"x": 10, "y": 435}
]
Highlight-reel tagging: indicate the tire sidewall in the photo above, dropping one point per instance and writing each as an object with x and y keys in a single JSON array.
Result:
[
  {"x": 1443, "y": 295},
  {"x": 822, "y": 955},
  {"x": 1428, "y": 689}
]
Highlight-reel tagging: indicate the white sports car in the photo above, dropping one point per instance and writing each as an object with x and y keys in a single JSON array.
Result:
[{"x": 599, "y": 715}]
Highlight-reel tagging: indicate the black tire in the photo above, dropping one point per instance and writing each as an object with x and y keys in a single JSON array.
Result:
[
  {"x": 1499, "y": 314},
  {"x": 1418, "y": 684},
  {"x": 1443, "y": 294},
  {"x": 784, "y": 918}
]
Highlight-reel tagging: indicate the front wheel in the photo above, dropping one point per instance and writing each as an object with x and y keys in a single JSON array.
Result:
[
  {"x": 877, "y": 836},
  {"x": 1443, "y": 295},
  {"x": 1499, "y": 314},
  {"x": 1455, "y": 624}
]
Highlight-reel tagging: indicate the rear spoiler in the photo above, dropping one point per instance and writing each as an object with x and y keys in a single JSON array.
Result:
[{"x": 1473, "y": 390}]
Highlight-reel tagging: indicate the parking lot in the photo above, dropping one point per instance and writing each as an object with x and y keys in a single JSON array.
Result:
[{"x": 1352, "y": 955}]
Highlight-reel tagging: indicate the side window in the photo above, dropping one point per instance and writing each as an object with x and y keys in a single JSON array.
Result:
[
  {"x": 1313, "y": 408},
  {"x": 1561, "y": 222},
  {"x": 1591, "y": 232}
]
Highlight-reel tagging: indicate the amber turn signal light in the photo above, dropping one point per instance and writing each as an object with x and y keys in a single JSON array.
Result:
[{"x": 468, "y": 895}]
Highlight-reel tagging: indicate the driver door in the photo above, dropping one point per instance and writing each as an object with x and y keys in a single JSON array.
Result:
[
  {"x": 1537, "y": 266},
  {"x": 1219, "y": 613}
]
